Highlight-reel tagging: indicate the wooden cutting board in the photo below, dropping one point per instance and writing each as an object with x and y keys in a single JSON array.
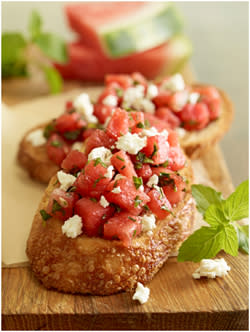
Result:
[{"x": 177, "y": 302}]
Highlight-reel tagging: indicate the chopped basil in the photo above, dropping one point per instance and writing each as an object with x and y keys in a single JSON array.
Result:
[
  {"x": 98, "y": 180},
  {"x": 120, "y": 158},
  {"x": 119, "y": 92},
  {"x": 132, "y": 219},
  {"x": 93, "y": 199},
  {"x": 45, "y": 215},
  {"x": 143, "y": 158},
  {"x": 99, "y": 161},
  {"x": 72, "y": 135},
  {"x": 136, "y": 82},
  {"x": 134, "y": 233},
  {"x": 56, "y": 144},
  {"x": 165, "y": 164},
  {"x": 137, "y": 181},
  {"x": 137, "y": 201},
  {"x": 116, "y": 184},
  {"x": 154, "y": 152},
  {"x": 56, "y": 206},
  {"x": 166, "y": 180},
  {"x": 48, "y": 130},
  {"x": 124, "y": 166},
  {"x": 71, "y": 189},
  {"x": 192, "y": 122},
  {"x": 138, "y": 165},
  {"x": 117, "y": 207},
  {"x": 140, "y": 125},
  {"x": 92, "y": 125},
  {"x": 146, "y": 123},
  {"x": 145, "y": 207}
]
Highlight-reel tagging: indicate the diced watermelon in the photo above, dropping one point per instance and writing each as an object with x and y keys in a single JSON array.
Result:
[
  {"x": 87, "y": 132},
  {"x": 159, "y": 204},
  {"x": 129, "y": 198},
  {"x": 123, "y": 226},
  {"x": 157, "y": 149},
  {"x": 211, "y": 97},
  {"x": 159, "y": 124},
  {"x": 122, "y": 162},
  {"x": 93, "y": 181},
  {"x": 176, "y": 159},
  {"x": 167, "y": 115},
  {"x": 102, "y": 112},
  {"x": 57, "y": 149},
  {"x": 69, "y": 122},
  {"x": 173, "y": 138},
  {"x": 175, "y": 101},
  {"x": 144, "y": 172},
  {"x": 118, "y": 124},
  {"x": 194, "y": 116},
  {"x": 89, "y": 65},
  {"x": 105, "y": 33},
  {"x": 123, "y": 81},
  {"x": 135, "y": 121},
  {"x": 61, "y": 204},
  {"x": 74, "y": 161},
  {"x": 98, "y": 138},
  {"x": 93, "y": 215}
]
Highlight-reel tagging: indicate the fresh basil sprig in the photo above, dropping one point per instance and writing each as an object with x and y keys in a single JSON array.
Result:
[
  {"x": 15, "y": 58},
  {"x": 224, "y": 233}
]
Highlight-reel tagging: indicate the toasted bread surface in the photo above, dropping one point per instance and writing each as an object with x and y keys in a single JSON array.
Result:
[
  {"x": 35, "y": 159},
  {"x": 196, "y": 143},
  {"x": 98, "y": 266}
]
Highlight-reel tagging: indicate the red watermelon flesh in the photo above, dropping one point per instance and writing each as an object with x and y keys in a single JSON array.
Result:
[{"x": 89, "y": 64}]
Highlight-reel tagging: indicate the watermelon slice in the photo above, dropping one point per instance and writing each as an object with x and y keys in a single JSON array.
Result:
[
  {"x": 123, "y": 28},
  {"x": 90, "y": 65}
]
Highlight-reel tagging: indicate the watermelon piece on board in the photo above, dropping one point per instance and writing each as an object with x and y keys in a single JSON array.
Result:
[
  {"x": 119, "y": 28},
  {"x": 90, "y": 65}
]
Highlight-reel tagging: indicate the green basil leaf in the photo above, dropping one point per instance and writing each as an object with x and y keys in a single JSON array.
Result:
[
  {"x": 205, "y": 196},
  {"x": 54, "y": 79},
  {"x": 206, "y": 242},
  {"x": 236, "y": 205},
  {"x": 13, "y": 55},
  {"x": 243, "y": 238},
  {"x": 35, "y": 25},
  {"x": 214, "y": 216},
  {"x": 52, "y": 46}
]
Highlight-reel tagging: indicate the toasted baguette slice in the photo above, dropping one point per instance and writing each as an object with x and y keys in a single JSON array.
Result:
[
  {"x": 35, "y": 159},
  {"x": 195, "y": 143},
  {"x": 98, "y": 266}
]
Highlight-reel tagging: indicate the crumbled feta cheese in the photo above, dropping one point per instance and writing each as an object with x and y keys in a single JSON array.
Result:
[
  {"x": 141, "y": 188},
  {"x": 149, "y": 132},
  {"x": 164, "y": 133},
  {"x": 72, "y": 227},
  {"x": 181, "y": 132},
  {"x": 152, "y": 91},
  {"x": 101, "y": 152},
  {"x": 174, "y": 83},
  {"x": 194, "y": 97},
  {"x": 77, "y": 146},
  {"x": 148, "y": 222},
  {"x": 103, "y": 202},
  {"x": 110, "y": 100},
  {"x": 106, "y": 122},
  {"x": 36, "y": 137},
  {"x": 109, "y": 173},
  {"x": 141, "y": 293},
  {"x": 66, "y": 180},
  {"x": 131, "y": 143},
  {"x": 83, "y": 104},
  {"x": 153, "y": 181},
  {"x": 119, "y": 176},
  {"x": 212, "y": 268},
  {"x": 144, "y": 105},
  {"x": 63, "y": 202},
  {"x": 132, "y": 95},
  {"x": 116, "y": 190}
]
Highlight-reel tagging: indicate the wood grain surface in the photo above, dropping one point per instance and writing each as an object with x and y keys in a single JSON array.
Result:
[{"x": 177, "y": 302}]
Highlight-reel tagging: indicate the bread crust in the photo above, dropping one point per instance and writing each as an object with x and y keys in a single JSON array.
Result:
[
  {"x": 196, "y": 143},
  {"x": 35, "y": 159},
  {"x": 98, "y": 266}
]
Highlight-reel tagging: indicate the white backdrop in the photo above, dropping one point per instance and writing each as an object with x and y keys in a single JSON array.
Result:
[{"x": 219, "y": 32}]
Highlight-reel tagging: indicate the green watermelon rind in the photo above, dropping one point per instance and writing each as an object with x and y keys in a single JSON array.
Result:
[{"x": 144, "y": 34}]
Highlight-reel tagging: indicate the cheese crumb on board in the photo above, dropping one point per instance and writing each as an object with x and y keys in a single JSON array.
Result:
[
  {"x": 212, "y": 268},
  {"x": 103, "y": 202},
  {"x": 131, "y": 143},
  {"x": 72, "y": 227},
  {"x": 141, "y": 293},
  {"x": 66, "y": 180},
  {"x": 36, "y": 137}
]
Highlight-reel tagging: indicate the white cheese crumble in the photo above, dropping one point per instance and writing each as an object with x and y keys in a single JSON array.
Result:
[
  {"x": 212, "y": 268},
  {"x": 116, "y": 190},
  {"x": 132, "y": 95},
  {"x": 148, "y": 222},
  {"x": 144, "y": 105},
  {"x": 119, "y": 176},
  {"x": 109, "y": 173},
  {"x": 83, "y": 104},
  {"x": 152, "y": 91},
  {"x": 77, "y": 146},
  {"x": 72, "y": 227},
  {"x": 174, "y": 83},
  {"x": 193, "y": 97},
  {"x": 110, "y": 100},
  {"x": 103, "y": 202},
  {"x": 66, "y": 180},
  {"x": 131, "y": 143},
  {"x": 36, "y": 137},
  {"x": 153, "y": 132},
  {"x": 141, "y": 293},
  {"x": 101, "y": 152},
  {"x": 153, "y": 181},
  {"x": 141, "y": 188}
]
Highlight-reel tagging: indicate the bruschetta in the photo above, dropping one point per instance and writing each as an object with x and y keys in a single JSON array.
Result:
[{"x": 115, "y": 213}]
